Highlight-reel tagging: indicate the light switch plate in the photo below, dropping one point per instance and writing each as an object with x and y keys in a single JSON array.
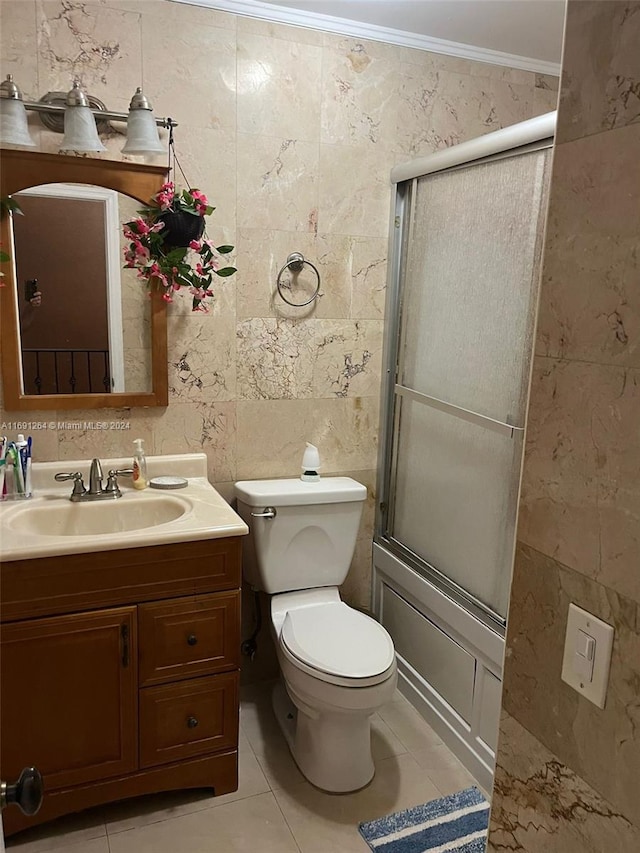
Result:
[{"x": 595, "y": 690}]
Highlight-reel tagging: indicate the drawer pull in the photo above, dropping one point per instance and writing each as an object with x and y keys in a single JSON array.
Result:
[
  {"x": 192, "y": 639},
  {"x": 192, "y": 722}
]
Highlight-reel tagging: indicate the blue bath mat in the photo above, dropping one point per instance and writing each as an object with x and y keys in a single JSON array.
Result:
[{"x": 455, "y": 824}]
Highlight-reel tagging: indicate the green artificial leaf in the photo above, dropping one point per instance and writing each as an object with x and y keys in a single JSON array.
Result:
[
  {"x": 175, "y": 256},
  {"x": 224, "y": 250},
  {"x": 226, "y": 271}
]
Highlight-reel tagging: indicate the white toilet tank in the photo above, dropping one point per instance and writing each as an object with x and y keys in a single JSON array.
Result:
[{"x": 310, "y": 541}]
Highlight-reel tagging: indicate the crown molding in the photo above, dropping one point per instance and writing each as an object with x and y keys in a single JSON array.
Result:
[{"x": 358, "y": 29}]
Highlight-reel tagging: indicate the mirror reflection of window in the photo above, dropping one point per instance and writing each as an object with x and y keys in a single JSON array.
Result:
[
  {"x": 84, "y": 322},
  {"x": 64, "y": 331}
]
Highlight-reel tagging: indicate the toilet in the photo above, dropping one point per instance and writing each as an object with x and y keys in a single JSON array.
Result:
[{"x": 338, "y": 665}]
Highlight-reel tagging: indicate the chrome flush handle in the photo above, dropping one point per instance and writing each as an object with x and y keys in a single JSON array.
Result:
[{"x": 268, "y": 512}]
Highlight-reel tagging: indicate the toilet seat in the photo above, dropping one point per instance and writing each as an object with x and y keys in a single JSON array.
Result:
[{"x": 338, "y": 645}]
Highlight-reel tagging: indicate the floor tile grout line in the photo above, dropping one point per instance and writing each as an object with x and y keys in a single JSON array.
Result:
[{"x": 284, "y": 817}]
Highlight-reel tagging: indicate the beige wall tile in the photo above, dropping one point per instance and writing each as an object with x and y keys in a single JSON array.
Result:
[
  {"x": 88, "y": 433},
  {"x": 359, "y": 103},
  {"x": 354, "y": 190},
  {"x": 97, "y": 44},
  {"x": 277, "y": 183},
  {"x": 202, "y": 427},
  {"x": 18, "y": 45},
  {"x": 590, "y": 303},
  {"x": 200, "y": 90},
  {"x": 202, "y": 365},
  {"x": 580, "y": 495},
  {"x": 282, "y": 359},
  {"x": 271, "y": 101},
  {"x": 272, "y": 435},
  {"x": 599, "y": 745},
  {"x": 540, "y": 805},
  {"x": 601, "y": 72},
  {"x": 284, "y": 32}
]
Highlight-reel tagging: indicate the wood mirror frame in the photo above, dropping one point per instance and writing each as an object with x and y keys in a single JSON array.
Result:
[{"x": 20, "y": 170}]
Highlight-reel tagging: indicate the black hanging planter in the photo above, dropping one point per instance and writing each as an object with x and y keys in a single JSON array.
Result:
[{"x": 180, "y": 228}]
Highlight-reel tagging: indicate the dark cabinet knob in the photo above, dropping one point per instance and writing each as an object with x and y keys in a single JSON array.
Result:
[
  {"x": 192, "y": 639},
  {"x": 192, "y": 722},
  {"x": 26, "y": 793}
]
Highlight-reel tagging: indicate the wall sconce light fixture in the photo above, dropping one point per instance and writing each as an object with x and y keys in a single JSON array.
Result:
[{"x": 80, "y": 117}]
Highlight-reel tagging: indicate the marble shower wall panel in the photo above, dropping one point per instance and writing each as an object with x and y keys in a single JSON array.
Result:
[
  {"x": 567, "y": 771},
  {"x": 580, "y": 499},
  {"x": 542, "y": 806},
  {"x": 591, "y": 310},
  {"x": 601, "y": 68},
  {"x": 581, "y": 735},
  {"x": 292, "y": 134}
]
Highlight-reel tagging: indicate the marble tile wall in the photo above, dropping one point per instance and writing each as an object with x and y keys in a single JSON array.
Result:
[
  {"x": 567, "y": 771},
  {"x": 292, "y": 134}
]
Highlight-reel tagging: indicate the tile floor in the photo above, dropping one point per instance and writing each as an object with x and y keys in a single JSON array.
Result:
[{"x": 274, "y": 810}]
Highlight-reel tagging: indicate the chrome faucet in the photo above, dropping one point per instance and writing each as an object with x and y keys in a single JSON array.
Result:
[
  {"x": 95, "y": 478},
  {"x": 95, "y": 492}
]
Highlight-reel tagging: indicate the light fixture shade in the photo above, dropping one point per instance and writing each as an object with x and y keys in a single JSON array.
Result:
[
  {"x": 80, "y": 131},
  {"x": 142, "y": 134},
  {"x": 13, "y": 124},
  {"x": 13, "y": 116},
  {"x": 142, "y": 130}
]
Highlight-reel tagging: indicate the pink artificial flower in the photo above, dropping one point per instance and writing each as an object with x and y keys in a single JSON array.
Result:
[
  {"x": 142, "y": 252},
  {"x": 167, "y": 297},
  {"x": 196, "y": 245},
  {"x": 141, "y": 226},
  {"x": 199, "y": 196},
  {"x": 200, "y": 269},
  {"x": 201, "y": 307},
  {"x": 199, "y": 292}
]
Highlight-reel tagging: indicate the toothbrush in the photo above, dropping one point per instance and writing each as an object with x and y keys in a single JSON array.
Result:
[
  {"x": 17, "y": 468},
  {"x": 3, "y": 452},
  {"x": 27, "y": 476}
]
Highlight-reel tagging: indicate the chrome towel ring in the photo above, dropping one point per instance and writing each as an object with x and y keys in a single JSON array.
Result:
[{"x": 295, "y": 263}]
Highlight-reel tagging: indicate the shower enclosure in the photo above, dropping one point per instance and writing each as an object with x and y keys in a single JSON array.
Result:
[{"x": 467, "y": 227}]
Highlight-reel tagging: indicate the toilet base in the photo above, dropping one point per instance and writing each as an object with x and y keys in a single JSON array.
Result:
[{"x": 332, "y": 750}]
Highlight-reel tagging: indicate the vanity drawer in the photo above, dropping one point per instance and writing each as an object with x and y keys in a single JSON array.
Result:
[
  {"x": 188, "y": 637},
  {"x": 189, "y": 718}
]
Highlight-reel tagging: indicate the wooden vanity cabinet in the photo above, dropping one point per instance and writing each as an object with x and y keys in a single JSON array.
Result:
[{"x": 119, "y": 673}]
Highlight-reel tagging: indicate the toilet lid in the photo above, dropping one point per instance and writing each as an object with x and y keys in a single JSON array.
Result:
[{"x": 338, "y": 640}]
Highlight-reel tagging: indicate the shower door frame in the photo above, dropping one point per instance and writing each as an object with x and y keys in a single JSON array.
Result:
[
  {"x": 533, "y": 135},
  {"x": 455, "y": 642}
]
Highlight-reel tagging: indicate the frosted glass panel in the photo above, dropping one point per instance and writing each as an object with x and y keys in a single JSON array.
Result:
[
  {"x": 470, "y": 286},
  {"x": 455, "y": 497}
]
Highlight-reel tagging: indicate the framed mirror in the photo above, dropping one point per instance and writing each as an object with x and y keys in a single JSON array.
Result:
[{"x": 77, "y": 331}]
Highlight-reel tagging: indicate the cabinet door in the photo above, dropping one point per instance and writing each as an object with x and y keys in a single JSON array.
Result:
[{"x": 69, "y": 696}]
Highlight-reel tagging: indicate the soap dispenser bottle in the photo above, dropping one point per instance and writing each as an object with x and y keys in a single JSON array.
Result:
[
  {"x": 310, "y": 464},
  {"x": 140, "y": 479}
]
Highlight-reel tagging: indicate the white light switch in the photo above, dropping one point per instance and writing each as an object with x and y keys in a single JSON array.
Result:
[
  {"x": 584, "y": 656},
  {"x": 587, "y": 655}
]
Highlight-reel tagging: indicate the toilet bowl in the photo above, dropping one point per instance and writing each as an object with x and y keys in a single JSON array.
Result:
[
  {"x": 338, "y": 667},
  {"x": 337, "y": 664}
]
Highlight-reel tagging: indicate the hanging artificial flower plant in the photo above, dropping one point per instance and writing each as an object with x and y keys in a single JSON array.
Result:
[{"x": 168, "y": 245}]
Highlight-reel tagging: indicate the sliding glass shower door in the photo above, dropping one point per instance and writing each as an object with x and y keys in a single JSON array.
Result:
[{"x": 468, "y": 274}]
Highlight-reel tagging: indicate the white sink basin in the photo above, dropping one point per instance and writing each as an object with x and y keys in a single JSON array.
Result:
[
  {"x": 49, "y": 524},
  {"x": 100, "y": 517}
]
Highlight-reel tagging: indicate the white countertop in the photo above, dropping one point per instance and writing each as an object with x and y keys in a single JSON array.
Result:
[{"x": 206, "y": 514}]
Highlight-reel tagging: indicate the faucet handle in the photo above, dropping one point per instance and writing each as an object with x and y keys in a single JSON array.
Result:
[
  {"x": 78, "y": 484},
  {"x": 112, "y": 481}
]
